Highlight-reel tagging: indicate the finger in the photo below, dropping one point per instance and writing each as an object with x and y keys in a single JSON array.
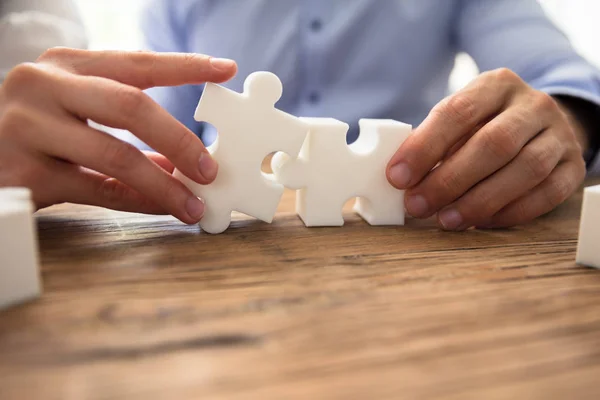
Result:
[
  {"x": 121, "y": 106},
  {"x": 160, "y": 160},
  {"x": 458, "y": 145},
  {"x": 143, "y": 69},
  {"x": 557, "y": 188},
  {"x": 494, "y": 146},
  {"x": 79, "y": 144},
  {"x": 533, "y": 164},
  {"x": 55, "y": 181},
  {"x": 76, "y": 184},
  {"x": 450, "y": 120}
]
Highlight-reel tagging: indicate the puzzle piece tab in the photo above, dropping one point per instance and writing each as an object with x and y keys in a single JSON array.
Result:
[
  {"x": 589, "y": 228},
  {"x": 249, "y": 128},
  {"x": 328, "y": 172},
  {"x": 19, "y": 261}
]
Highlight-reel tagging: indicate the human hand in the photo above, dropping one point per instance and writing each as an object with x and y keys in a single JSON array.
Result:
[
  {"x": 496, "y": 154},
  {"x": 47, "y": 145}
]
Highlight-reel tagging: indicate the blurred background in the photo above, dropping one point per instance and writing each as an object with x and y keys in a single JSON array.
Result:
[{"x": 114, "y": 24}]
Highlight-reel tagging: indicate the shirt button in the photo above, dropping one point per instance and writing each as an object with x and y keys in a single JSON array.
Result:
[
  {"x": 314, "y": 97},
  {"x": 316, "y": 25}
]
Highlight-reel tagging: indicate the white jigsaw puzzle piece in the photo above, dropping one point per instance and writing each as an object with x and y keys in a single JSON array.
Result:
[
  {"x": 19, "y": 266},
  {"x": 249, "y": 129},
  {"x": 328, "y": 172},
  {"x": 589, "y": 229}
]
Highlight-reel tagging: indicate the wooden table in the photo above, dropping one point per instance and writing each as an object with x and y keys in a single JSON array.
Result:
[{"x": 144, "y": 307}]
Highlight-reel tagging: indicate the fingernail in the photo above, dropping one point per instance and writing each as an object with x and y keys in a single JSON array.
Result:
[
  {"x": 222, "y": 63},
  {"x": 400, "y": 175},
  {"x": 208, "y": 167},
  {"x": 416, "y": 205},
  {"x": 450, "y": 219},
  {"x": 195, "y": 208}
]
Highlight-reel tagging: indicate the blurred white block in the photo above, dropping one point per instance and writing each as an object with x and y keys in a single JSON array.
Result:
[
  {"x": 588, "y": 247},
  {"x": 19, "y": 260}
]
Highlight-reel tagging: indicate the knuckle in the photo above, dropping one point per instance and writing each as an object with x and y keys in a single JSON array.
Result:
[
  {"x": 538, "y": 163},
  {"x": 120, "y": 156},
  {"x": 192, "y": 59},
  {"x": 505, "y": 75},
  {"x": 429, "y": 149},
  {"x": 57, "y": 54},
  {"x": 558, "y": 191},
  {"x": 174, "y": 191},
  {"x": 459, "y": 108},
  {"x": 450, "y": 184},
  {"x": 543, "y": 101},
  {"x": 520, "y": 212},
  {"x": 148, "y": 63},
  {"x": 145, "y": 59},
  {"x": 111, "y": 189},
  {"x": 131, "y": 101},
  {"x": 15, "y": 121},
  {"x": 184, "y": 144},
  {"x": 481, "y": 204},
  {"x": 502, "y": 141},
  {"x": 22, "y": 75}
]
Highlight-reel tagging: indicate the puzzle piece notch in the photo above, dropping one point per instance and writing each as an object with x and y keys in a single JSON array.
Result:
[
  {"x": 589, "y": 229},
  {"x": 19, "y": 260},
  {"x": 249, "y": 128},
  {"x": 328, "y": 172}
]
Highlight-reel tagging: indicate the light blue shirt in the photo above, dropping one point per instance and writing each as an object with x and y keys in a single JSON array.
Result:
[{"x": 352, "y": 59}]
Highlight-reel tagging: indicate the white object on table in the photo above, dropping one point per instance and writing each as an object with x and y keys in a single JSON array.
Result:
[
  {"x": 19, "y": 260},
  {"x": 588, "y": 246},
  {"x": 249, "y": 129},
  {"x": 328, "y": 172}
]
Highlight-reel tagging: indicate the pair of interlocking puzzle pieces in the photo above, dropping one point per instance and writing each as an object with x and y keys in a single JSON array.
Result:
[{"x": 311, "y": 156}]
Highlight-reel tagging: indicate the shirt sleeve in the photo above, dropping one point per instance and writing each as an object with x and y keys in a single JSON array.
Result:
[
  {"x": 517, "y": 34},
  {"x": 163, "y": 33}
]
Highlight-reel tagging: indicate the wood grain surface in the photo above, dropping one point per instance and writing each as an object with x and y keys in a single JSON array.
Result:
[{"x": 144, "y": 307}]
